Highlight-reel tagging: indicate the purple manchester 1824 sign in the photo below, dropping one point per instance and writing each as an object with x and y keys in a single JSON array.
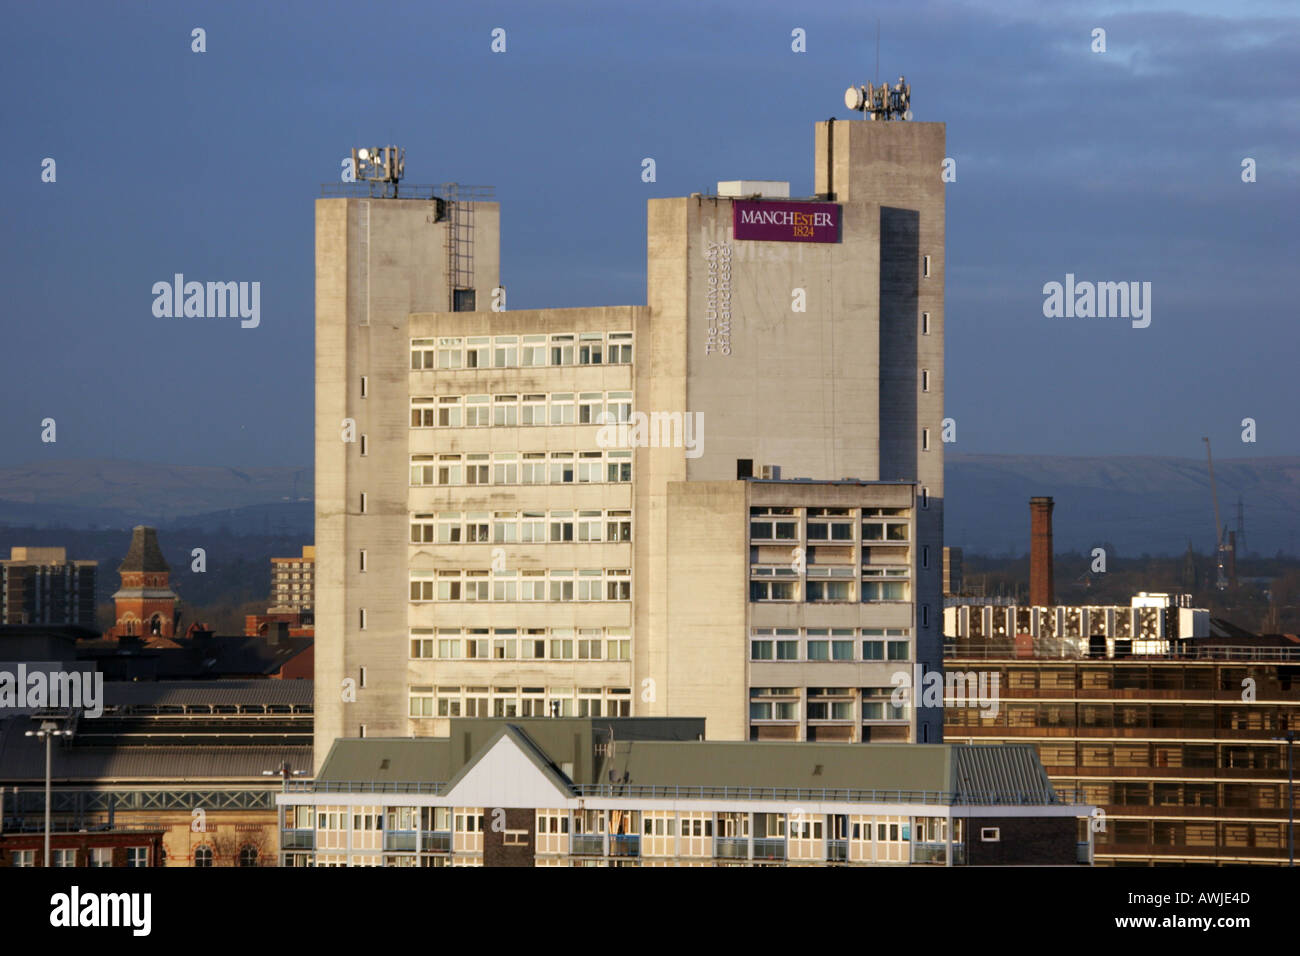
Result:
[{"x": 786, "y": 221}]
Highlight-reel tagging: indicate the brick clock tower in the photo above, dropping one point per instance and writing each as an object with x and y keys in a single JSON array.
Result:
[{"x": 146, "y": 604}]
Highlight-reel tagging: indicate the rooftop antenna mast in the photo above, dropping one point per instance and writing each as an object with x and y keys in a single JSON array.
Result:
[
  {"x": 876, "y": 76},
  {"x": 382, "y": 167},
  {"x": 881, "y": 102}
]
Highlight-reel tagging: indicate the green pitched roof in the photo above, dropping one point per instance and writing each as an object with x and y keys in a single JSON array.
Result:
[{"x": 957, "y": 773}]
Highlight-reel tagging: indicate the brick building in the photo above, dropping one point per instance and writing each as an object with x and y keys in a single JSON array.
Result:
[{"x": 145, "y": 603}]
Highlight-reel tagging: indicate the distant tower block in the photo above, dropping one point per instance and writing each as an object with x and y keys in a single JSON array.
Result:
[
  {"x": 146, "y": 604},
  {"x": 1042, "y": 587}
]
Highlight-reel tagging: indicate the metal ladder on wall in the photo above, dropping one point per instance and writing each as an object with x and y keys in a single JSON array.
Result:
[{"x": 460, "y": 241}]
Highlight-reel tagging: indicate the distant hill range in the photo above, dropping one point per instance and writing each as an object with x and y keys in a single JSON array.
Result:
[
  {"x": 1137, "y": 504},
  {"x": 108, "y": 494}
]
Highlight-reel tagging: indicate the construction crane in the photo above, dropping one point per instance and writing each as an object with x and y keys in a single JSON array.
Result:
[{"x": 1221, "y": 580}]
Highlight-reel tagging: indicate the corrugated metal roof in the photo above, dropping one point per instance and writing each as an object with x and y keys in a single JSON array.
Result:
[
  {"x": 22, "y": 759},
  {"x": 227, "y": 692},
  {"x": 1001, "y": 773}
]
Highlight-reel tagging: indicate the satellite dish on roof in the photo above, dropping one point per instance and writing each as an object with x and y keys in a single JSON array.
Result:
[{"x": 853, "y": 98}]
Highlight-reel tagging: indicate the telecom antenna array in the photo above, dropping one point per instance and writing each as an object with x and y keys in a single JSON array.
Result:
[
  {"x": 881, "y": 102},
  {"x": 381, "y": 166}
]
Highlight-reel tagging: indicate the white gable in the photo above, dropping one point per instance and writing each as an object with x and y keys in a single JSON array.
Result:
[{"x": 505, "y": 777}]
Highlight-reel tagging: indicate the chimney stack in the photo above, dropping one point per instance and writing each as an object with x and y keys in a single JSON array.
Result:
[{"x": 1042, "y": 587}]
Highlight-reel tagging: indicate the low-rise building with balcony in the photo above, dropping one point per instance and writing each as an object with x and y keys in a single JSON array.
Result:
[{"x": 653, "y": 792}]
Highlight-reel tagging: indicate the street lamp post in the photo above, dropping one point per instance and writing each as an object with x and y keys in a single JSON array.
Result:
[
  {"x": 284, "y": 771},
  {"x": 49, "y": 730}
]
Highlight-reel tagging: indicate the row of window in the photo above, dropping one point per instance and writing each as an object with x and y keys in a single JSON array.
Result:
[
  {"x": 248, "y": 855},
  {"x": 1239, "y": 836},
  {"x": 824, "y": 703},
  {"x": 768, "y": 588},
  {"x": 526, "y": 351},
  {"x": 526, "y": 527},
  {"x": 1162, "y": 676},
  {"x": 1263, "y": 756},
  {"x": 559, "y": 408},
  {"x": 389, "y": 819},
  {"x": 560, "y": 821},
  {"x": 829, "y": 644},
  {"x": 96, "y": 856},
  {"x": 1241, "y": 796},
  {"x": 1137, "y": 716},
  {"x": 551, "y": 584},
  {"x": 882, "y": 525},
  {"x": 729, "y": 825},
  {"x": 521, "y": 468},
  {"x": 522, "y": 644},
  {"x": 430, "y": 701}
]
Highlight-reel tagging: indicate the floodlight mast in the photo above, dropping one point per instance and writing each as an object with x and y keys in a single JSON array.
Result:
[
  {"x": 881, "y": 102},
  {"x": 382, "y": 166}
]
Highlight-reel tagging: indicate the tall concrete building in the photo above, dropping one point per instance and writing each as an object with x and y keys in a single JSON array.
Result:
[
  {"x": 41, "y": 586},
  {"x": 727, "y": 503},
  {"x": 292, "y": 584}
]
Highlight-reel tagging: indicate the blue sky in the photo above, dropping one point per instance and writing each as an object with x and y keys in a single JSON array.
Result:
[{"x": 1117, "y": 166}]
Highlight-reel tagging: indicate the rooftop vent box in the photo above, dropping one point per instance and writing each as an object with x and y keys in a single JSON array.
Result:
[{"x": 769, "y": 188}]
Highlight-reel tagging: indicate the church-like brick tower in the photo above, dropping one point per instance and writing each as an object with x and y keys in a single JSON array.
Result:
[{"x": 146, "y": 604}]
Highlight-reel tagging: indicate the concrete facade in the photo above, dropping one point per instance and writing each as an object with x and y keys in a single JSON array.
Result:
[
  {"x": 377, "y": 261},
  {"x": 459, "y": 478},
  {"x": 41, "y": 586}
]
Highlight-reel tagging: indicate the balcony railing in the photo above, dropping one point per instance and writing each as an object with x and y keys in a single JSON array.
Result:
[
  {"x": 400, "y": 840},
  {"x": 837, "y": 851},
  {"x": 363, "y": 786},
  {"x": 673, "y": 792},
  {"x": 801, "y": 795},
  {"x": 769, "y": 848},
  {"x": 731, "y": 848},
  {"x": 297, "y": 839},
  {"x": 624, "y": 844},
  {"x": 929, "y": 853},
  {"x": 1001, "y": 649},
  {"x": 435, "y": 841},
  {"x": 587, "y": 844}
]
